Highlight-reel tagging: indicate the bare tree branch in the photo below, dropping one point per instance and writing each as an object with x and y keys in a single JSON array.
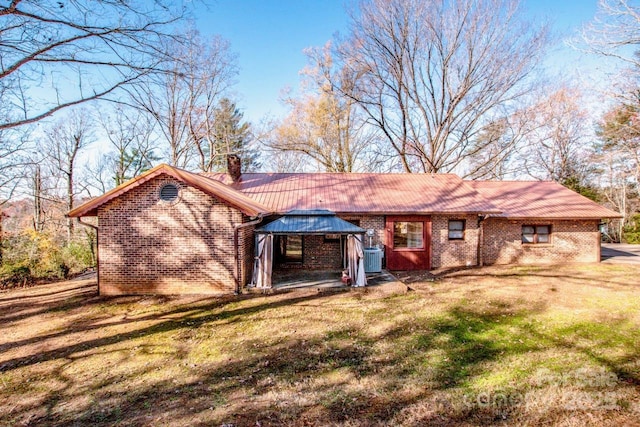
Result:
[
  {"x": 432, "y": 75},
  {"x": 50, "y": 51},
  {"x": 183, "y": 102},
  {"x": 614, "y": 32}
]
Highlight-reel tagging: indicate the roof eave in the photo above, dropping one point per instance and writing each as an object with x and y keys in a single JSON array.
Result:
[
  {"x": 249, "y": 207},
  {"x": 557, "y": 218},
  {"x": 417, "y": 213},
  {"x": 90, "y": 208}
]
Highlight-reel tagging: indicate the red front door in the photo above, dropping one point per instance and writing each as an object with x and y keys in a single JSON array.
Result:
[{"x": 408, "y": 242}]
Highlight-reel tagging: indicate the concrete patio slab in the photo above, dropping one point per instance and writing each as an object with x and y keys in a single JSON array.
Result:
[{"x": 329, "y": 281}]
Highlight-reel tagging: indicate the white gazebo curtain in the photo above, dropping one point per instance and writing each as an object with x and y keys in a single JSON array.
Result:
[
  {"x": 355, "y": 260},
  {"x": 263, "y": 261}
]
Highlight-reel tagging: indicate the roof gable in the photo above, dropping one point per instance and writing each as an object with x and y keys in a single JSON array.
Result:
[{"x": 233, "y": 197}]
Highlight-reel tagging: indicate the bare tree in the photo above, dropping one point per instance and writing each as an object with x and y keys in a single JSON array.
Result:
[
  {"x": 616, "y": 186},
  {"x": 98, "y": 176},
  {"x": 13, "y": 143},
  {"x": 496, "y": 152},
  {"x": 325, "y": 123},
  {"x": 619, "y": 157},
  {"x": 432, "y": 75},
  {"x": 132, "y": 141},
  {"x": 56, "y": 54},
  {"x": 64, "y": 141},
  {"x": 285, "y": 161},
  {"x": 38, "y": 208},
  {"x": 559, "y": 137},
  {"x": 614, "y": 32},
  {"x": 277, "y": 160},
  {"x": 183, "y": 102}
]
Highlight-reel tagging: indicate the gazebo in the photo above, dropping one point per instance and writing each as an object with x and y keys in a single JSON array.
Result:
[{"x": 307, "y": 223}]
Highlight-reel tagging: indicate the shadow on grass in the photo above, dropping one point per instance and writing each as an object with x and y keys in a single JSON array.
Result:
[
  {"x": 544, "y": 272},
  {"x": 335, "y": 376},
  {"x": 465, "y": 337},
  {"x": 26, "y": 306},
  {"x": 574, "y": 338},
  {"x": 192, "y": 318},
  {"x": 322, "y": 371},
  {"x": 35, "y": 293}
]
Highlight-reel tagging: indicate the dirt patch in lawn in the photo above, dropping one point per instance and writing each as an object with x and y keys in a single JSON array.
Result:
[{"x": 552, "y": 345}]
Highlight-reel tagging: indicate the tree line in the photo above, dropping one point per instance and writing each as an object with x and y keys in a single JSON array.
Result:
[
  {"x": 459, "y": 87},
  {"x": 413, "y": 86}
]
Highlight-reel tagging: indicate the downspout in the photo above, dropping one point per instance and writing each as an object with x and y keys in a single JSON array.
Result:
[
  {"x": 236, "y": 251},
  {"x": 479, "y": 254},
  {"x": 86, "y": 224}
]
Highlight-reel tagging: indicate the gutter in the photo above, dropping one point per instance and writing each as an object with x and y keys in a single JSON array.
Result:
[
  {"x": 479, "y": 257},
  {"x": 236, "y": 251},
  {"x": 86, "y": 224}
]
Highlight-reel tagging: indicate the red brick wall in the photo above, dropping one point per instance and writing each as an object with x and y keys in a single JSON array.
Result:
[
  {"x": 453, "y": 253},
  {"x": 321, "y": 254},
  {"x": 370, "y": 222},
  {"x": 571, "y": 241},
  {"x": 317, "y": 254},
  {"x": 376, "y": 223},
  {"x": 151, "y": 246}
]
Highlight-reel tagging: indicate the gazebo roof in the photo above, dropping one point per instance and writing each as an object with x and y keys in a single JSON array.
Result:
[{"x": 316, "y": 221}]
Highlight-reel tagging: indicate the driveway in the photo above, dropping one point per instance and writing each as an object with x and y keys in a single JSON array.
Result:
[{"x": 620, "y": 253}]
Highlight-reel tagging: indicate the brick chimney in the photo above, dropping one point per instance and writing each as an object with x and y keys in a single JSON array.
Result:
[{"x": 234, "y": 167}]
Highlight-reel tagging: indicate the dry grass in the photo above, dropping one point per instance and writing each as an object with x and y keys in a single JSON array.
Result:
[{"x": 505, "y": 345}]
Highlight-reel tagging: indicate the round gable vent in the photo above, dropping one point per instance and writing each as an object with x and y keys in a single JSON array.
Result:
[{"x": 169, "y": 192}]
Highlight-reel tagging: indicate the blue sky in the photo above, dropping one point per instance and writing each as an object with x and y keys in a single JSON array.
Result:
[{"x": 269, "y": 37}]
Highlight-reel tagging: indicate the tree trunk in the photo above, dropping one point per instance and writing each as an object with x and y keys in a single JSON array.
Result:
[
  {"x": 70, "y": 221},
  {"x": 38, "y": 220},
  {"x": 1, "y": 234}
]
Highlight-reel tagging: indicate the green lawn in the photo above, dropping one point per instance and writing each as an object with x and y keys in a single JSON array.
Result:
[{"x": 503, "y": 345}]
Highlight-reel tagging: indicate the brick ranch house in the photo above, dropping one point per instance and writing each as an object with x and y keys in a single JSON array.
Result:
[{"x": 169, "y": 231}]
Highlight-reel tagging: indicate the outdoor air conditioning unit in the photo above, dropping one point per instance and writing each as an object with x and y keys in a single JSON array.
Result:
[{"x": 372, "y": 260}]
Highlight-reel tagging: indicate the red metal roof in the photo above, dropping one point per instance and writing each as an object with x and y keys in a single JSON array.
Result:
[
  {"x": 264, "y": 193},
  {"x": 361, "y": 192},
  {"x": 540, "y": 199}
]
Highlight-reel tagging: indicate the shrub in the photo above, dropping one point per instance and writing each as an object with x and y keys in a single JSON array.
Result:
[
  {"x": 45, "y": 255},
  {"x": 14, "y": 275},
  {"x": 631, "y": 233}
]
